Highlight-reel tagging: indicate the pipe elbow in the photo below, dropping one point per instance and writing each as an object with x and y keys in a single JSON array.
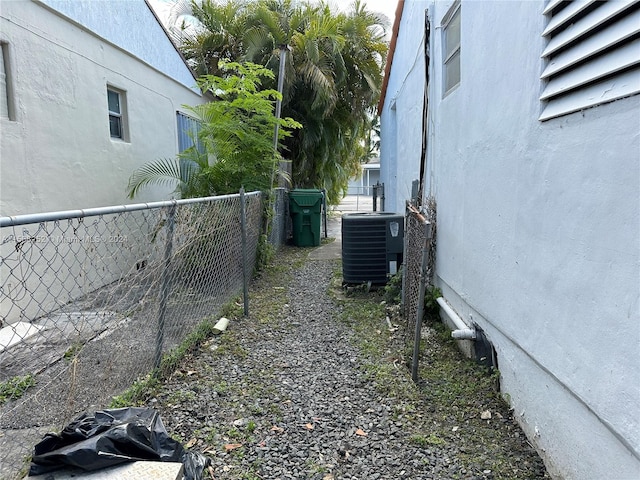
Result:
[
  {"x": 462, "y": 331},
  {"x": 464, "y": 334}
]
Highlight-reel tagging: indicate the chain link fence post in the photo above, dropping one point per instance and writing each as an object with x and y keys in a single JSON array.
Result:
[
  {"x": 375, "y": 197},
  {"x": 245, "y": 256},
  {"x": 166, "y": 286}
]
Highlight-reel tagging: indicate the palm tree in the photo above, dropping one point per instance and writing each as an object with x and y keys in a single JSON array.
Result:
[
  {"x": 221, "y": 40},
  {"x": 332, "y": 79},
  {"x": 335, "y": 138}
]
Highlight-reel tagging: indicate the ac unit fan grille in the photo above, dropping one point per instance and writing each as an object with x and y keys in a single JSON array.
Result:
[{"x": 365, "y": 249}]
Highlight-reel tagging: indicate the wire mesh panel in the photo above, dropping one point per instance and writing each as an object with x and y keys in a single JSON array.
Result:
[
  {"x": 89, "y": 303},
  {"x": 415, "y": 240},
  {"x": 419, "y": 259},
  {"x": 278, "y": 231}
]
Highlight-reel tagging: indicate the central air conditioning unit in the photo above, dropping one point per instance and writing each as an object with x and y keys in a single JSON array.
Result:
[{"x": 372, "y": 246}]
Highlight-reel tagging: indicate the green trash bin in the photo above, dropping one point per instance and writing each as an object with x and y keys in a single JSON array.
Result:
[{"x": 305, "y": 206}]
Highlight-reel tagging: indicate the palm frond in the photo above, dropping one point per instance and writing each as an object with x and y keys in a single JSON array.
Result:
[{"x": 173, "y": 172}]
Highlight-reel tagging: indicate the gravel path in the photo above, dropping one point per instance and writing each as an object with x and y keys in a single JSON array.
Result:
[{"x": 285, "y": 394}]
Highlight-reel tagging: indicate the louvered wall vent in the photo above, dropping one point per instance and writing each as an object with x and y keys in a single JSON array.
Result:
[{"x": 593, "y": 54}]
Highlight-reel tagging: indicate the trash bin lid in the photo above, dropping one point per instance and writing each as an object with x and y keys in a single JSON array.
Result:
[{"x": 305, "y": 197}]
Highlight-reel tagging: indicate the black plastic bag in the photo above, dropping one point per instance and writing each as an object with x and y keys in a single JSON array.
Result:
[{"x": 111, "y": 437}]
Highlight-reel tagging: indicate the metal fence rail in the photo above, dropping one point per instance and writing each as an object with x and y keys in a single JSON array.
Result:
[
  {"x": 90, "y": 300},
  {"x": 363, "y": 199},
  {"x": 419, "y": 258}
]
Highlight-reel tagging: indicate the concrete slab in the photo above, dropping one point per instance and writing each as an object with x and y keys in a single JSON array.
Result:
[
  {"x": 329, "y": 251},
  {"x": 356, "y": 203},
  {"x": 126, "y": 471},
  {"x": 12, "y": 446},
  {"x": 16, "y": 333},
  {"x": 84, "y": 324},
  {"x": 332, "y": 250}
]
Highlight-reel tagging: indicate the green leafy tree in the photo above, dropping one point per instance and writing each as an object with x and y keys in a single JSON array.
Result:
[
  {"x": 221, "y": 41},
  {"x": 332, "y": 79},
  {"x": 237, "y": 131}
]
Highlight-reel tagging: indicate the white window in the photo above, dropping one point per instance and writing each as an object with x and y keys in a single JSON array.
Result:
[
  {"x": 6, "y": 110},
  {"x": 117, "y": 109},
  {"x": 451, "y": 48},
  {"x": 592, "y": 54}
]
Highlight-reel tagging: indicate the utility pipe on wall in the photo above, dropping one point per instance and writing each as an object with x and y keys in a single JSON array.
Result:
[{"x": 463, "y": 331}]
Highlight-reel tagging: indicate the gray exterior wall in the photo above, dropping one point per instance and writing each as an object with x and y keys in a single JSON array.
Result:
[
  {"x": 56, "y": 150},
  {"x": 538, "y": 228}
]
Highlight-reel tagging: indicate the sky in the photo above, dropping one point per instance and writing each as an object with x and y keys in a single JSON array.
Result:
[{"x": 388, "y": 7}]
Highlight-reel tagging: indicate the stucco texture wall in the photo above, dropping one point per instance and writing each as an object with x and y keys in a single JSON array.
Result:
[
  {"x": 132, "y": 27},
  {"x": 538, "y": 236},
  {"x": 401, "y": 122},
  {"x": 56, "y": 152}
]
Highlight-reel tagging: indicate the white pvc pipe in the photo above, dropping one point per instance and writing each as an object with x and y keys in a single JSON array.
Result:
[
  {"x": 463, "y": 331},
  {"x": 221, "y": 326}
]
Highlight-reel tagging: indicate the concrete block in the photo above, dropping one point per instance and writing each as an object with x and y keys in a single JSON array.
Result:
[
  {"x": 16, "y": 333},
  {"x": 126, "y": 471}
]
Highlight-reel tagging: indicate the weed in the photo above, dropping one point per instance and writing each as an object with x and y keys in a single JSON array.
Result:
[
  {"x": 172, "y": 360},
  {"x": 453, "y": 389},
  {"x": 393, "y": 288},
  {"x": 221, "y": 388},
  {"x": 265, "y": 252},
  {"x": 211, "y": 435},
  {"x": 72, "y": 351},
  {"x": 420, "y": 440},
  {"x": 256, "y": 410},
  {"x": 15, "y": 387},
  {"x": 234, "y": 434},
  {"x": 233, "y": 308},
  {"x": 26, "y": 465},
  {"x": 137, "y": 393},
  {"x": 424, "y": 441},
  {"x": 313, "y": 467},
  {"x": 181, "y": 396},
  {"x": 434, "y": 439},
  {"x": 230, "y": 345},
  {"x": 251, "y": 475},
  {"x": 431, "y": 306}
]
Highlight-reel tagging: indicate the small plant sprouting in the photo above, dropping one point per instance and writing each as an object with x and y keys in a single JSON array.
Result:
[
  {"x": 15, "y": 387},
  {"x": 393, "y": 288},
  {"x": 424, "y": 441},
  {"x": 72, "y": 351},
  {"x": 431, "y": 307}
]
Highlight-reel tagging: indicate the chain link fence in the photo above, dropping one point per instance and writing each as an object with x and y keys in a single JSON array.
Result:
[
  {"x": 91, "y": 300},
  {"x": 419, "y": 263},
  {"x": 278, "y": 232}
]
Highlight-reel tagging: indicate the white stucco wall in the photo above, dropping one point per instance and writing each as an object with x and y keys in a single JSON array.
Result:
[
  {"x": 538, "y": 234},
  {"x": 56, "y": 153},
  {"x": 131, "y": 26},
  {"x": 400, "y": 155}
]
